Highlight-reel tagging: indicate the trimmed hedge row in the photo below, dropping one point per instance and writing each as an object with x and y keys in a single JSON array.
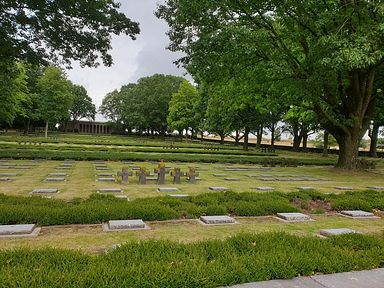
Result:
[
  {"x": 239, "y": 259},
  {"x": 136, "y": 156},
  {"x": 99, "y": 208}
]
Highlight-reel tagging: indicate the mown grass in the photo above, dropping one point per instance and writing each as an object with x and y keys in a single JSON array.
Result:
[{"x": 239, "y": 259}]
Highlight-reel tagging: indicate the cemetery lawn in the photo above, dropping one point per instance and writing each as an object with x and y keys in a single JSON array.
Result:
[{"x": 92, "y": 239}]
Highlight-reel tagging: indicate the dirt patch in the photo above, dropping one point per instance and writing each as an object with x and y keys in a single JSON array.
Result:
[{"x": 312, "y": 206}]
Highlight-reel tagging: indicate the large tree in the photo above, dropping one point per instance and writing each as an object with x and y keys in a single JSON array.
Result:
[
  {"x": 323, "y": 52},
  {"x": 82, "y": 106},
  {"x": 43, "y": 30},
  {"x": 54, "y": 97}
]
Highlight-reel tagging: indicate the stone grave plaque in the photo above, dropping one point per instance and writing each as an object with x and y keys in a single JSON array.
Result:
[
  {"x": 66, "y": 165},
  {"x": 348, "y": 188},
  {"x": 231, "y": 179},
  {"x": 110, "y": 190},
  {"x": 222, "y": 219},
  {"x": 370, "y": 187},
  {"x": 16, "y": 229},
  {"x": 3, "y": 179},
  {"x": 305, "y": 188},
  {"x": 63, "y": 168},
  {"x": 106, "y": 179},
  {"x": 100, "y": 168},
  {"x": 8, "y": 174},
  {"x": 121, "y": 197},
  {"x": 218, "y": 188},
  {"x": 54, "y": 179},
  {"x": 7, "y": 164},
  {"x": 21, "y": 167},
  {"x": 265, "y": 188},
  {"x": 126, "y": 224},
  {"x": 357, "y": 214},
  {"x": 236, "y": 169},
  {"x": 219, "y": 175},
  {"x": 168, "y": 189},
  {"x": 337, "y": 231},
  {"x": 267, "y": 175},
  {"x": 152, "y": 178},
  {"x": 293, "y": 217},
  {"x": 127, "y": 162},
  {"x": 104, "y": 175},
  {"x": 253, "y": 175},
  {"x": 45, "y": 190},
  {"x": 58, "y": 174},
  {"x": 178, "y": 195},
  {"x": 268, "y": 179}
]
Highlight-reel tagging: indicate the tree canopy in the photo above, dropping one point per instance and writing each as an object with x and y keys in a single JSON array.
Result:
[
  {"x": 41, "y": 30},
  {"x": 326, "y": 53}
]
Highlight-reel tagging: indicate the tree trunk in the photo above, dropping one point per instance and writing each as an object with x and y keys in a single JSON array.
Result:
[
  {"x": 246, "y": 138},
  {"x": 181, "y": 133},
  {"x": 348, "y": 150},
  {"x": 222, "y": 136},
  {"x": 46, "y": 129},
  {"x": 326, "y": 143},
  {"x": 259, "y": 137},
  {"x": 296, "y": 142},
  {"x": 304, "y": 135},
  {"x": 202, "y": 136},
  {"x": 374, "y": 135},
  {"x": 273, "y": 136},
  {"x": 237, "y": 138}
]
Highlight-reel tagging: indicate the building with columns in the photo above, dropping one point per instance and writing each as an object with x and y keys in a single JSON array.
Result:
[{"x": 93, "y": 127}]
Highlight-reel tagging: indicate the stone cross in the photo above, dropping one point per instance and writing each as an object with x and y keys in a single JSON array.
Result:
[
  {"x": 192, "y": 174},
  {"x": 161, "y": 171},
  {"x": 142, "y": 173},
  {"x": 176, "y": 175},
  {"x": 124, "y": 173}
]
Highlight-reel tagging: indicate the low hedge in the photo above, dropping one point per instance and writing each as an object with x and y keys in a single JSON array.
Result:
[
  {"x": 99, "y": 208},
  {"x": 154, "y": 263},
  {"x": 142, "y": 156}
]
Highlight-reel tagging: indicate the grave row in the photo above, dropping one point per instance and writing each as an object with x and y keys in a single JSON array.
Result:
[{"x": 23, "y": 230}]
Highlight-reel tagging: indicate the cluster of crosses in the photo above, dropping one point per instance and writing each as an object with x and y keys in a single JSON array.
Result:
[{"x": 161, "y": 171}]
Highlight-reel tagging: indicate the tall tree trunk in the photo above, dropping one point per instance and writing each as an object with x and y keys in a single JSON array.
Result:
[
  {"x": 374, "y": 135},
  {"x": 326, "y": 143},
  {"x": 246, "y": 138},
  {"x": 273, "y": 136},
  {"x": 202, "y": 136},
  {"x": 237, "y": 138},
  {"x": 296, "y": 139},
  {"x": 348, "y": 149},
  {"x": 46, "y": 129},
  {"x": 222, "y": 136},
  {"x": 259, "y": 137},
  {"x": 304, "y": 135}
]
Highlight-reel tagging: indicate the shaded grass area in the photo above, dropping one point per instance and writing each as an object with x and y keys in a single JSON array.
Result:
[
  {"x": 99, "y": 208},
  {"x": 239, "y": 259}
]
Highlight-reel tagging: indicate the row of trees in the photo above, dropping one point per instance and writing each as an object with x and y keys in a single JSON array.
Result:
[
  {"x": 326, "y": 56},
  {"x": 42, "y": 95}
]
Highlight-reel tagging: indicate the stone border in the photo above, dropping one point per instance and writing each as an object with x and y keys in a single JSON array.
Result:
[{"x": 361, "y": 217}]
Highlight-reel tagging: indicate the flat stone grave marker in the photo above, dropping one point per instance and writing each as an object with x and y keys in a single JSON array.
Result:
[
  {"x": 265, "y": 188},
  {"x": 178, "y": 195},
  {"x": 104, "y": 175},
  {"x": 114, "y": 225},
  {"x": 18, "y": 230},
  {"x": 8, "y": 174},
  {"x": 219, "y": 175},
  {"x": 231, "y": 179},
  {"x": 267, "y": 175},
  {"x": 106, "y": 179},
  {"x": 99, "y": 168},
  {"x": 221, "y": 219},
  {"x": 110, "y": 190},
  {"x": 358, "y": 214},
  {"x": 58, "y": 174},
  {"x": 168, "y": 189},
  {"x": 21, "y": 167},
  {"x": 63, "y": 168},
  {"x": 134, "y": 167},
  {"x": 99, "y": 162},
  {"x": 121, "y": 196},
  {"x": 218, "y": 188},
  {"x": 253, "y": 175},
  {"x": 3, "y": 179},
  {"x": 7, "y": 164},
  {"x": 370, "y": 187},
  {"x": 343, "y": 188},
  {"x": 127, "y": 162},
  {"x": 45, "y": 190},
  {"x": 55, "y": 179},
  {"x": 236, "y": 169},
  {"x": 268, "y": 179},
  {"x": 152, "y": 178},
  {"x": 66, "y": 165},
  {"x": 337, "y": 231},
  {"x": 305, "y": 188},
  {"x": 293, "y": 217}
]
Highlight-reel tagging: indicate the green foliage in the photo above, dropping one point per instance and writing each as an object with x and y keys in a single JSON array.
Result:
[
  {"x": 182, "y": 108},
  {"x": 82, "y": 106},
  {"x": 239, "y": 259},
  {"x": 35, "y": 31},
  {"x": 366, "y": 200}
]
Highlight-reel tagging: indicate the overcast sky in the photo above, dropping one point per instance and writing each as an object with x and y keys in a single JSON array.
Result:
[{"x": 145, "y": 56}]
